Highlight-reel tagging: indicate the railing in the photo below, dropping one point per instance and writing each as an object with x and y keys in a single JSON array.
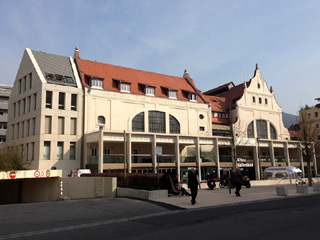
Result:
[
  {"x": 205, "y": 157},
  {"x": 265, "y": 159},
  {"x": 92, "y": 159},
  {"x": 225, "y": 158},
  {"x": 294, "y": 160},
  {"x": 113, "y": 158},
  {"x": 280, "y": 159},
  {"x": 141, "y": 158},
  {"x": 167, "y": 159},
  {"x": 188, "y": 159}
]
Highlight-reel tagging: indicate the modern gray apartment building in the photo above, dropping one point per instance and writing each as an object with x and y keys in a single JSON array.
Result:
[{"x": 5, "y": 92}]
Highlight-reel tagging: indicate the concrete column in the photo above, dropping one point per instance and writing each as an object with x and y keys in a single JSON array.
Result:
[
  {"x": 154, "y": 155},
  {"x": 314, "y": 160},
  {"x": 129, "y": 153},
  {"x": 271, "y": 150},
  {"x": 301, "y": 159},
  {"x": 198, "y": 156},
  {"x": 177, "y": 153},
  {"x": 216, "y": 151},
  {"x": 100, "y": 152},
  {"x": 256, "y": 156},
  {"x": 286, "y": 153}
]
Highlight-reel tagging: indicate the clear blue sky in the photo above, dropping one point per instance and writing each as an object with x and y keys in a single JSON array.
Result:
[{"x": 211, "y": 39}]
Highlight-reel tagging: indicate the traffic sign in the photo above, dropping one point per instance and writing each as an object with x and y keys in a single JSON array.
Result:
[
  {"x": 12, "y": 174},
  {"x": 36, "y": 173},
  {"x": 48, "y": 173}
]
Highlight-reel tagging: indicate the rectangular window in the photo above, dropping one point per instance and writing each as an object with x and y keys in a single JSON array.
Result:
[
  {"x": 260, "y": 100},
  {"x": 266, "y": 101},
  {"x": 12, "y": 131},
  {"x": 18, "y": 108},
  {"x": 47, "y": 124},
  {"x": 32, "y": 151},
  {"x": 253, "y": 99},
  {"x": 315, "y": 114},
  {"x": 150, "y": 91},
  {"x": 317, "y": 125},
  {"x": 27, "y": 128},
  {"x": 14, "y": 110},
  {"x": 23, "y": 106},
  {"x": 318, "y": 137},
  {"x": 34, "y": 101},
  {"x": 46, "y": 150},
  {"x": 29, "y": 103},
  {"x": 61, "y": 100},
  {"x": 27, "y": 151},
  {"x": 125, "y": 87},
  {"x": 17, "y": 126},
  {"x": 24, "y": 84},
  {"x": 74, "y": 102},
  {"x": 201, "y": 128},
  {"x": 60, "y": 125},
  {"x": 22, "y": 129},
  {"x": 193, "y": 97},
  {"x": 309, "y": 116},
  {"x": 33, "y": 129},
  {"x": 19, "y": 85},
  {"x": 72, "y": 150},
  {"x": 172, "y": 94},
  {"x": 30, "y": 80},
  {"x": 60, "y": 150},
  {"x": 49, "y": 99},
  {"x": 73, "y": 126},
  {"x": 95, "y": 83}
]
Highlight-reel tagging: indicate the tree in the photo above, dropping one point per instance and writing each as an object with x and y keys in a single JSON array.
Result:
[
  {"x": 12, "y": 159},
  {"x": 309, "y": 136}
]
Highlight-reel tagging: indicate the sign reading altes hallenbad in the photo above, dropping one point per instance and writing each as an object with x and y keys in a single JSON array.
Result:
[
  {"x": 30, "y": 174},
  {"x": 242, "y": 162}
]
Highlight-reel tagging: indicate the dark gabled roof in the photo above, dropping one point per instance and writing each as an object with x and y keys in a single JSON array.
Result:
[
  {"x": 219, "y": 90},
  {"x": 54, "y": 65}
]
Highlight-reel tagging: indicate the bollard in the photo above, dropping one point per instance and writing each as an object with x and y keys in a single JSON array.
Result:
[{"x": 282, "y": 191}]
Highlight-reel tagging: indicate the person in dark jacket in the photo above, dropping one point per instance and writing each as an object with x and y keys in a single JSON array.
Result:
[
  {"x": 237, "y": 181},
  {"x": 193, "y": 183}
]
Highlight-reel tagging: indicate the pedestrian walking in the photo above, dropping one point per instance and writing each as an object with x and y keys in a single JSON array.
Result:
[
  {"x": 237, "y": 181},
  {"x": 193, "y": 183}
]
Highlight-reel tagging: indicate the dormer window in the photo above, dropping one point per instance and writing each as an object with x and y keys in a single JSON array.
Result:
[
  {"x": 193, "y": 97},
  {"x": 172, "y": 94},
  {"x": 149, "y": 91},
  {"x": 96, "y": 83},
  {"x": 124, "y": 87}
]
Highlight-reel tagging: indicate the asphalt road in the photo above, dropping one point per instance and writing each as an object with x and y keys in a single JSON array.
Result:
[{"x": 285, "y": 218}]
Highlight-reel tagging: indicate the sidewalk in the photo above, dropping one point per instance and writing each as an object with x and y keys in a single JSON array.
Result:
[{"x": 221, "y": 196}]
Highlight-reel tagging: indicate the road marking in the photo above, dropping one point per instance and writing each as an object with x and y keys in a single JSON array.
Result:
[{"x": 86, "y": 225}]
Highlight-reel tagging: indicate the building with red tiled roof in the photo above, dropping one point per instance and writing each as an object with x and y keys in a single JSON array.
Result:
[{"x": 112, "y": 118}]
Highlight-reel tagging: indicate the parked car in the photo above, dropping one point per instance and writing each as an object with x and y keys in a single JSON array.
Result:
[{"x": 282, "y": 172}]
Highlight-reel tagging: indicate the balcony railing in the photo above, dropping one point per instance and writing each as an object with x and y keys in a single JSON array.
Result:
[
  {"x": 188, "y": 159},
  {"x": 167, "y": 159},
  {"x": 141, "y": 158},
  {"x": 280, "y": 159},
  {"x": 225, "y": 158},
  {"x": 113, "y": 158},
  {"x": 92, "y": 159},
  {"x": 294, "y": 160},
  {"x": 205, "y": 157},
  {"x": 265, "y": 159}
]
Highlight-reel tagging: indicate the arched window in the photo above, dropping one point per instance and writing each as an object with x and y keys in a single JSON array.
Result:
[
  {"x": 101, "y": 120},
  {"x": 138, "y": 123},
  {"x": 262, "y": 129},
  {"x": 157, "y": 122},
  {"x": 250, "y": 131},
  {"x": 174, "y": 125},
  {"x": 273, "y": 133}
]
